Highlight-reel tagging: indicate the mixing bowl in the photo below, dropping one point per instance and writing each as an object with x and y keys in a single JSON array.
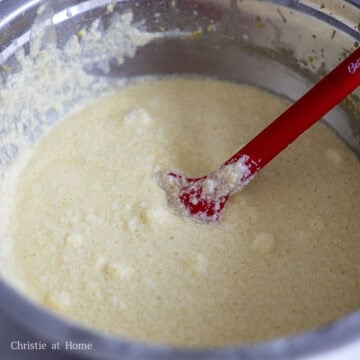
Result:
[{"x": 281, "y": 45}]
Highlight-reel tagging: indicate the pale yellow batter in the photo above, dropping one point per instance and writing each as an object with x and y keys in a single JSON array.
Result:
[{"x": 95, "y": 241}]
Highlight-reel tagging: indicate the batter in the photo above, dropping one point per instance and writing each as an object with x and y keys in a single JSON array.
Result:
[{"x": 96, "y": 242}]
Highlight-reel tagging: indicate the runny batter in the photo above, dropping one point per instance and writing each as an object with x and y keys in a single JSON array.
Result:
[{"x": 96, "y": 242}]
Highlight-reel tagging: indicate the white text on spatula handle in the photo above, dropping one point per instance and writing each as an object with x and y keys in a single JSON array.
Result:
[{"x": 354, "y": 66}]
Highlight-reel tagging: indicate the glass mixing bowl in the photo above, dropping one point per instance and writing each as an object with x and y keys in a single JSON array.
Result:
[{"x": 281, "y": 45}]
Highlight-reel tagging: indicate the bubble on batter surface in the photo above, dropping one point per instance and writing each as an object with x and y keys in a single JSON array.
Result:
[{"x": 264, "y": 243}]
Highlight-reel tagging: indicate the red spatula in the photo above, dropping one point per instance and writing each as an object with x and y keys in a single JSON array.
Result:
[{"x": 203, "y": 199}]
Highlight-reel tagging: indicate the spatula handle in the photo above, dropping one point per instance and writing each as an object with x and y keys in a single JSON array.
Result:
[{"x": 327, "y": 93}]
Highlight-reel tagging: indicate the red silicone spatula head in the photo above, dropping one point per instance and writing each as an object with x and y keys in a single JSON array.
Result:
[{"x": 203, "y": 199}]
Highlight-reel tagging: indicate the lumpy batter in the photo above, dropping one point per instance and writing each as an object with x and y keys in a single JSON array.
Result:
[{"x": 95, "y": 241}]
